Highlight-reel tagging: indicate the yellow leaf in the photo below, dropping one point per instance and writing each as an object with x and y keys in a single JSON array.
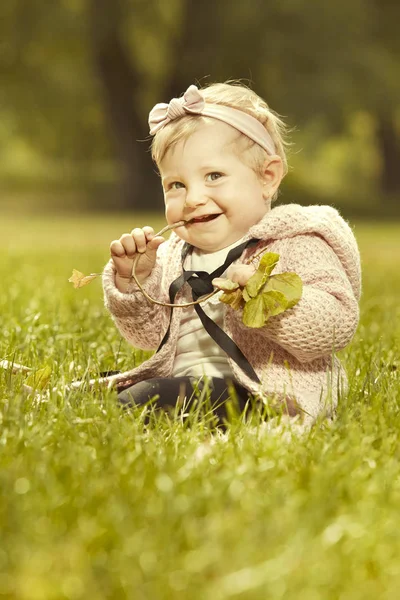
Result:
[
  {"x": 289, "y": 284},
  {"x": 78, "y": 279},
  {"x": 40, "y": 378},
  {"x": 253, "y": 313},
  {"x": 235, "y": 298}
]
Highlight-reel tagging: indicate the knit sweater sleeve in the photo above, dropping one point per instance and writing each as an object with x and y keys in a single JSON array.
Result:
[
  {"x": 326, "y": 317},
  {"x": 140, "y": 322}
]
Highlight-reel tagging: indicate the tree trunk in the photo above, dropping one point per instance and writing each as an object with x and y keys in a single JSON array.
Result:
[
  {"x": 140, "y": 189},
  {"x": 390, "y": 152},
  {"x": 196, "y": 48}
]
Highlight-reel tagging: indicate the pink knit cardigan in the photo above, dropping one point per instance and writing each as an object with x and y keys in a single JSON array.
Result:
[{"x": 293, "y": 354}]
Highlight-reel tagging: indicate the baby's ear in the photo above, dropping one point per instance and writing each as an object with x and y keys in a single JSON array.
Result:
[{"x": 272, "y": 175}]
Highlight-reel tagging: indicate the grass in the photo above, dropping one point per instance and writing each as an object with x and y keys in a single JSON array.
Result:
[{"x": 96, "y": 505}]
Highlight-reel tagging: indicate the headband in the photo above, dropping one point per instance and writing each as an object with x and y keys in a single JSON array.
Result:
[{"x": 193, "y": 103}]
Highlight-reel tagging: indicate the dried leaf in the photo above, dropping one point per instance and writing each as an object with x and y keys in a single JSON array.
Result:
[
  {"x": 79, "y": 279},
  {"x": 234, "y": 298},
  {"x": 39, "y": 379}
]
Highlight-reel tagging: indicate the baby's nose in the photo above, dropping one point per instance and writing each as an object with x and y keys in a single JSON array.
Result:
[{"x": 195, "y": 198}]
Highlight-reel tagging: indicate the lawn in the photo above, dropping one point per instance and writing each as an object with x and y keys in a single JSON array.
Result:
[{"x": 96, "y": 505}]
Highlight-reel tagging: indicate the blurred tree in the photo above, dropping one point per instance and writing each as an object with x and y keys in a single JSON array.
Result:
[
  {"x": 383, "y": 97},
  {"x": 47, "y": 87},
  {"x": 309, "y": 60},
  {"x": 329, "y": 61},
  {"x": 62, "y": 62},
  {"x": 121, "y": 84}
]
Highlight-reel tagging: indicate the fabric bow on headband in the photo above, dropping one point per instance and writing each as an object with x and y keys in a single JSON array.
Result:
[{"x": 193, "y": 103}]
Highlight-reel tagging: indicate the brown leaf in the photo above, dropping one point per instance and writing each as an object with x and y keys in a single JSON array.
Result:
[
  {"x": 78, "y": 279},
  {"x": 234, "y": 298}
]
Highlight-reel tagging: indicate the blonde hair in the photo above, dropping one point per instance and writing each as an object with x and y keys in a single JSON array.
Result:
[{"x": 236, "y": 96}]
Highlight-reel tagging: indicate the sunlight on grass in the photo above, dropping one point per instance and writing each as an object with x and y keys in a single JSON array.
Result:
[{"x": 95, "y": 504}]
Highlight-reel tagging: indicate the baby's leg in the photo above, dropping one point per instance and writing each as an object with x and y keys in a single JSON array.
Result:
[{"x": 174, "y": 390}]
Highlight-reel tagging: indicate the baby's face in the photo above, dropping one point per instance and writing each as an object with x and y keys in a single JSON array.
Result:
[{"x": 206, "y": 183}]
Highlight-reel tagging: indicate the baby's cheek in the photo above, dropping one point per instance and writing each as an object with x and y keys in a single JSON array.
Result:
[
  {"x": 173, "y": 208},
  {"x": 169, "y": 214}
]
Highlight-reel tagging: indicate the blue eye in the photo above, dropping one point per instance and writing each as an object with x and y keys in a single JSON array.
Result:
[
  {"x": 176, "y": 185},
  {"x": 213, "y": 176}
]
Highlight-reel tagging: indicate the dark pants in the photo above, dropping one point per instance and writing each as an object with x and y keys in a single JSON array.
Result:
[{"x": 184, "y": 392}]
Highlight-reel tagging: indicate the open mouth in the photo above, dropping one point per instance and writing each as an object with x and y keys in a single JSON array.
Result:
[{"x": 204, "y": 219}]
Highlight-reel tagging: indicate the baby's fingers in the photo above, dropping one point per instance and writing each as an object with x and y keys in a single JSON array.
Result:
[
  {"x": 128, "y": 244},
  {"x": 148, "y": 232},
  {"x": 117, "y": 249},
  {"x": 153, "y": 245},
  {"x": 141, "y": 238}
]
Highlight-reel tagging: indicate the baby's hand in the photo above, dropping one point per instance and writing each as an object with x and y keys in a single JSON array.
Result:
[
  {"x": 124, "y": 251},
  {"x": 240, "y": 273}
]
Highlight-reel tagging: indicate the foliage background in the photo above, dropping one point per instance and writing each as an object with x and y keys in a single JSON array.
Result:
[{"x": 78, "y": 77}]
